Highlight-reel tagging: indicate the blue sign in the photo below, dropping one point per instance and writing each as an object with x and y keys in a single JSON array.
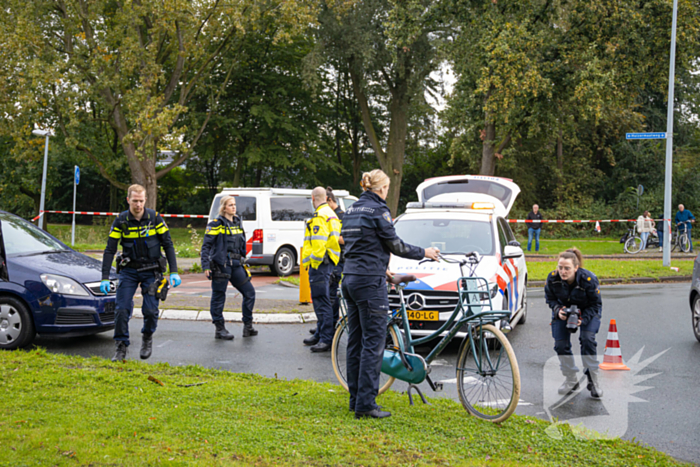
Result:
[
  {"x": 77, "y": 175},
  {"x": 646, "y": 135}
]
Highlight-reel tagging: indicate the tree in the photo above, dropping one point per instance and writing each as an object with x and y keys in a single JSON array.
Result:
[
  {"x": 390, "y": 51},
  {"x": 135, "y": 65}
]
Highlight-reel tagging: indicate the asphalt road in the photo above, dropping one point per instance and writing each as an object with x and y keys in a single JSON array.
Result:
[{"x": 654, "y": 403}]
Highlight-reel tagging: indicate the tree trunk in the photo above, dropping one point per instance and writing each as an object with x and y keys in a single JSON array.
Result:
[
  {"x": 488, "y": 162},
  {"x": 560, "y": 154}
]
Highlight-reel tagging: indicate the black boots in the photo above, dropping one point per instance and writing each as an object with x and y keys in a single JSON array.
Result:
[
  {"x": 376, "y": 413},
  {"x": 248, "y": 330},
  {"x": 146, "y": 346},
  {"x": 221, "y": 332},
  {"x": 593, "y": 384},
  {"x": 120, "y": 354},
  {"x": 570, "y": 384}
]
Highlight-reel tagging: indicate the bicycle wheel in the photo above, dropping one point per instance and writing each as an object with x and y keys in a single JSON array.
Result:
[
  {"x": 339, "y": 356},
  {"x": 633, "y": 245},
  {"x": 488, "y": 380},
  {"x": 684, "y": 243}
]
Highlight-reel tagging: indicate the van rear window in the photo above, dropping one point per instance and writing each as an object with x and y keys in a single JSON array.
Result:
[
  {"x": 291, "y": 208},
  {"x": 245, "y": 208}
]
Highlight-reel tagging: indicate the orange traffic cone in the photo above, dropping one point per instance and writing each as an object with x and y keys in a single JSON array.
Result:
[{"x": 612, "y": 360}]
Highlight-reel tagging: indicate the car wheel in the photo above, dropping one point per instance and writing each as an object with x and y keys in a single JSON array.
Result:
[
  {"x": 523, "y": 317},
  {"x": 16, "y": 325},
  {"x": 696, "y": 317},
  {"x": 284, "y": 262}
]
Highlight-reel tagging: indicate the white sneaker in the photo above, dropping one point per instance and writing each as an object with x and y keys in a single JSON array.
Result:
[{"x": 661, "y": 248}]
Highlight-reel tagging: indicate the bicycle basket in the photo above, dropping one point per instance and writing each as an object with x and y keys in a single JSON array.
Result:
[{"x": 394, "y": 365}]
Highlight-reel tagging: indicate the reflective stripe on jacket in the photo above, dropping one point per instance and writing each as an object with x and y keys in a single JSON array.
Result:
[
  {"x": 321, "y": 238},
  {"x": 215, "y": 247}
]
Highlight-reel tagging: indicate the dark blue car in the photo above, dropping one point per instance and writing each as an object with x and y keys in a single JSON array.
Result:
[{"x": 47, "y": 288}]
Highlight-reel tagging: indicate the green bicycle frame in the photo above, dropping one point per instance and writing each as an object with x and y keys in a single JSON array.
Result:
[{"x": 471, "y": 293}]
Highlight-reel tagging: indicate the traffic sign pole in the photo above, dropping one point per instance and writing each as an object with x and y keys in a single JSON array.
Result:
[
  {"x": 76, "y": 180},
  {"x": 669, "y": 142}
]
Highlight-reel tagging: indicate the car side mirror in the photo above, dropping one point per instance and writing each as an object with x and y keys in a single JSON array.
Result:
[
  {"x": 514, "y": 243},
  {"x": 512, "y": 252}
]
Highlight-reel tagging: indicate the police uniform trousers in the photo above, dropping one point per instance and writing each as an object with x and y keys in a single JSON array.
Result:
[
  {"x": 319, "y": 282},
  {"x": 129, "y": 280},
  {"x": 241, "y": 281},
  {"x": 562, "y": 344},
  {"x": 368, "y": 309},
  {"x": 334, "y": 296}
]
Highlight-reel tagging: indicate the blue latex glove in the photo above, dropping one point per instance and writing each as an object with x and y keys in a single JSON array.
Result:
[
  {"x": 175, "y": 280},
  {"x": 104, "y": 287}
]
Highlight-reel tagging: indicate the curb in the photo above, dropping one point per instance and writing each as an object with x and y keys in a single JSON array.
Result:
[
  {"x": 630, "y": 280},
  {"x": 233, "y": 317}
]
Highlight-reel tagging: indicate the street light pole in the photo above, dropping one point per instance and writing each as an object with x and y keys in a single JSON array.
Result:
[
  {"x": 669, "y": 143},
  {"x": 43, "y": 178}
]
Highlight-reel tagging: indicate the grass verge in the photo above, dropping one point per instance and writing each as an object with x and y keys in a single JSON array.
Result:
[
  {"x": 75, "y": 411},
  {"x": 588, "y": 246},
  {"x": 611, "y": 268},
  {"x": 290, "y": 279}
]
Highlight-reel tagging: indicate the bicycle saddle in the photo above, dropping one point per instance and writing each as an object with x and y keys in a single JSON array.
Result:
[{"x": 399, "y": 278}]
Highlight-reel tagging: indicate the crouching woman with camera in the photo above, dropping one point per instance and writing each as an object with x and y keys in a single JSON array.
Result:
[{"x": 573, "y": 294}]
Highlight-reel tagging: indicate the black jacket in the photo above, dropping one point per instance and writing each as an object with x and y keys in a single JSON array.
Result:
[
  {"x": 531, "y": 217},
  {"x": 370, "y": 238},
  {"x": 215, "y": 248},
  {"x": 584, "y": 293},
  {"x": 141, "y": 240}
]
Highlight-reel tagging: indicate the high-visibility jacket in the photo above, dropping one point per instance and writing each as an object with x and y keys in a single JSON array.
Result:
[{"x": 321, "y": 238}]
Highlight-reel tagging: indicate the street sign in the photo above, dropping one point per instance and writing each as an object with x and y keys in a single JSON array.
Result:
[
  {"x": 77, "y": 175},
  {"x": 646, "y": 135}
]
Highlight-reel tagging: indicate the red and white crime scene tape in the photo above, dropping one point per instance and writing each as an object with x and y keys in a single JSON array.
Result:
[
  {"x": 90, "y": 213},
  {"x": 512, "y": 221}
]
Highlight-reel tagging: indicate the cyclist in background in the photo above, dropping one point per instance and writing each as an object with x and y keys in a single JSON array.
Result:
[{"x": 684, "y": 215}]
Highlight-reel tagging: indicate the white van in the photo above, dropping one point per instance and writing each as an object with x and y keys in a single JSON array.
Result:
[{"x": 273, "y": 220}]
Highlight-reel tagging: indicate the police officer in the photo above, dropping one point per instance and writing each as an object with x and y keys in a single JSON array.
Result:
[
  {"x": 337, "y": 273},
  {"x": 142, "y": 233},
  {"x": 321, "y": 253},
  {"x": 370, "y": 238},
  {"x": 568, "y": 285},
  {"x": 223, "y": 259}
]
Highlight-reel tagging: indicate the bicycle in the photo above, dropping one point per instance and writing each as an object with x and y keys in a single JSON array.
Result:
[
  {"x": 680, "y": 238},
  {"x": 488, "y": 376},
  {"x": 633, "y": 244}
]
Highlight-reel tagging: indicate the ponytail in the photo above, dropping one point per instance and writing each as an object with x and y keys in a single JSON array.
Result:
[{"x": 574, "y": 255}]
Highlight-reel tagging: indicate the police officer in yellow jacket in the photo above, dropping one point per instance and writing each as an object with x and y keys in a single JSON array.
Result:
[{"x": 321, "y": 252}]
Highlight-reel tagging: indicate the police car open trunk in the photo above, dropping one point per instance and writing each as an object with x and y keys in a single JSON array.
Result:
[{"x": 502, "y": 192}]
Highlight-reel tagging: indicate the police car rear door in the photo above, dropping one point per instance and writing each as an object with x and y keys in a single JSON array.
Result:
[{"x": 502, "y": 192}]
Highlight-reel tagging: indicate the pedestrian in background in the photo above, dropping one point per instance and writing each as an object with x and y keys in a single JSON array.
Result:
[
  {"x": 660, "y": 232},
  {"x": 142, "y": 233},
  {"x": 534, "y": 228},
  {"x": 645, "y": 225},
  {"x": 370, "y": 239},
  {"x": 684, "y": 220},
  {"x": 321, "y": 253},
  {"x": 223, "y": 261}
]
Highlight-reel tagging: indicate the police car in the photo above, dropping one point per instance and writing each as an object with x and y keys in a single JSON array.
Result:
[{"x": 459, "y": 214}]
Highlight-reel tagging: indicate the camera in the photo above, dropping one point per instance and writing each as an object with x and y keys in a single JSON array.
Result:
[{"x": 572, "y": 316}]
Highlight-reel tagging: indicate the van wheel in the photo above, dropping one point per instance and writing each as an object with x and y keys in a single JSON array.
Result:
[
  {"x": 16, "y": 325},
  {"x": 284, "y": 262}
]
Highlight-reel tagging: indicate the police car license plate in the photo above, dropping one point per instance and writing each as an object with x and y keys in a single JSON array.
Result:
[{"x": 423, "y": 315}]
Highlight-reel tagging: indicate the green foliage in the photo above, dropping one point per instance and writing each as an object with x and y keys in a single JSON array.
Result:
[{"x": 71, "y": 410}]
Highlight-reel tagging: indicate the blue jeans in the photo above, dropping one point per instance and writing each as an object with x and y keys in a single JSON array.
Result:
[
  {"x": 319, "y": 281},
  {"x": 645, "y": 238},
  {"x": 129, "y": 280},
  {"x": 368, "y": 316},
  {"x": 240, "y": 280},
  {"x": 562, "y": 345},
  {"x": 533, "y": 233}
]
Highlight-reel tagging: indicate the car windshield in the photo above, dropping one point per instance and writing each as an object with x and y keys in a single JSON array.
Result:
[
  {"x": 23, "y": 238},
  {"x": 451, "y": 236}
]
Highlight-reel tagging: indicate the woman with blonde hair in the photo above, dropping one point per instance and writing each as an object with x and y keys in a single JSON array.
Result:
[
  {"x": 223, "y": 257},
  {"x": 568, "y": 286},
  {"x": 370, "y": 239}
]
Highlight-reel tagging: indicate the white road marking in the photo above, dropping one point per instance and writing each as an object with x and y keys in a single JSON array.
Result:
[{"x": 164, "y": 343}]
